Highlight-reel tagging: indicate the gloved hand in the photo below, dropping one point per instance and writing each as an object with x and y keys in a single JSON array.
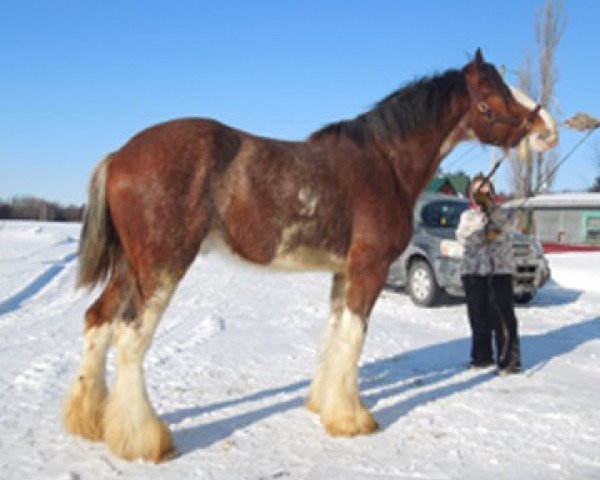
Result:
[{"x": 492, "y": 233}]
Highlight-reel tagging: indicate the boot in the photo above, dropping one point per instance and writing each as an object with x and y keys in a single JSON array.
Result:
[{"x": 512, "y": 362}]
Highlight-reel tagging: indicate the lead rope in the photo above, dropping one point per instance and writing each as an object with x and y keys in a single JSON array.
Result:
[{"x": 557, "y": 166}]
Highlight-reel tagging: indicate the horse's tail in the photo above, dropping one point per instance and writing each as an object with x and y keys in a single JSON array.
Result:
[{"x": 98, "y": 243}]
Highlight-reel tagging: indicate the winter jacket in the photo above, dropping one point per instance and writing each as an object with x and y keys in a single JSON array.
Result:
[{"x": 483, "y": 256}]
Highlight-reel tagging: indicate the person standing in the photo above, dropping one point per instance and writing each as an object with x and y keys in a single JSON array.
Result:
[{"x": 486, "y": 270}]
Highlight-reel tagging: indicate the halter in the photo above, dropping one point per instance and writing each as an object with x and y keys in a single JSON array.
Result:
[{"x": 493, "y": 118}]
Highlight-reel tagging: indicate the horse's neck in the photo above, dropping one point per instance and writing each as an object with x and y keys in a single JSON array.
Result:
[{"x": 415, "y": 159}]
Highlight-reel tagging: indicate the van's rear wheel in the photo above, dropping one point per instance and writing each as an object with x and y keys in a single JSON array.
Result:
[{"x": 422, "y": 286}]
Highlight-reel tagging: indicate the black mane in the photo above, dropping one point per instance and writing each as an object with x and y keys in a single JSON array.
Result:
[{"x": 404, "y": 111}]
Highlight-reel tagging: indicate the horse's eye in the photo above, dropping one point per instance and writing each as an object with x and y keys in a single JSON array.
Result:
[{"x": 483, "y": 107}]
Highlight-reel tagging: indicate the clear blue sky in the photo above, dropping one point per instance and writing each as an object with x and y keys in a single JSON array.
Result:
[{"x": 77, "y": 79}]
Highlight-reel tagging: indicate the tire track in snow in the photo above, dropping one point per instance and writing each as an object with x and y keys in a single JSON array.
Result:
[
  {"x": 179, "y": 341},
  {"x": 39, "y": 334},
  {"x": 16, "y": 301}
]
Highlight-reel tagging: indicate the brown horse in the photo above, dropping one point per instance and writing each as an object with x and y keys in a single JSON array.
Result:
[{"x": 340, "y": 201}]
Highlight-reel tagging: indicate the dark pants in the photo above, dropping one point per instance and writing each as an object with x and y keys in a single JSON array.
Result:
[{"x": 490, "y": 306}]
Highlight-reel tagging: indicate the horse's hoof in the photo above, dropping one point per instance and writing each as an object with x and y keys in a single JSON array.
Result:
[
  {"x": 137, "y": 436},
  {"x": 312, "y": 405},
  {"x": 359, "y": 422},
  {"x": 170, "y": 455},
  {"x": 152, "y": 443},
  {"x": 84, "y": 410}
]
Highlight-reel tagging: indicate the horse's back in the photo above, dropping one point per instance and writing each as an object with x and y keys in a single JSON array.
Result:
[
  {"x": 294, "y": 204},
  {"x": 175, "y": 141}
]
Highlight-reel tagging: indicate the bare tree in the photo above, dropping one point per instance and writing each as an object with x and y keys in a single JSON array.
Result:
[
  {"x": 550, "y": 27},
  {"x": 522, "y": 160},
  {"x": 532, "y": 173}
]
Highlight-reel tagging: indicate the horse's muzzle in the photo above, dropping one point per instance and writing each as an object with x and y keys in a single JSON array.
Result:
[{"x": 542, "y": 141}]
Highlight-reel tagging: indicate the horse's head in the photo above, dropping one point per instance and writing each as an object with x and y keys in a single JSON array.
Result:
[{"x": 502, "y": 115}]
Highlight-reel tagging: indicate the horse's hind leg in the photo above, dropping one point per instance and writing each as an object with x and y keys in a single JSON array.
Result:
[
  {"x": 84, "y": 405},
  {"x": 131, "y": 427}
]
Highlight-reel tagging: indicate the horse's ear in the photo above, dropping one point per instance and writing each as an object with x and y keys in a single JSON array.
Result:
[
  {"x": 474, "y": 68},
  {"x": 479, "y": 61}
]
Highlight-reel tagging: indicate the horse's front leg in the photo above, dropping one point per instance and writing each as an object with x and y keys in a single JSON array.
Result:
[
  {"x": 342, "y": 411},
  {"x": 337, "y": 299}
]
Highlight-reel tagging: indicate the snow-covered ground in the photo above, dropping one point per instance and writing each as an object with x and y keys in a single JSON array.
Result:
[{"x": 233, "y": 357}]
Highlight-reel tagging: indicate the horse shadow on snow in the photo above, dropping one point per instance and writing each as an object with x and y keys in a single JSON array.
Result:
[{"x": 419, "y": 376}]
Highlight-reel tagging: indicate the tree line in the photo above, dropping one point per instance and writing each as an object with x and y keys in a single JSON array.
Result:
[{"x": 31, "y": 208}]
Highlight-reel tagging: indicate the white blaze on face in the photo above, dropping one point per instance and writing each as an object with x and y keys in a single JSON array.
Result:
[{"x": 540, "y": 141}]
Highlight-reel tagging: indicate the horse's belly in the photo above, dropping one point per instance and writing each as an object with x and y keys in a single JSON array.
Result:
[
  {"x": 307, "y": 258},
  {"x": 296, "y": 259},
  {"x": 297, "y": 250}
]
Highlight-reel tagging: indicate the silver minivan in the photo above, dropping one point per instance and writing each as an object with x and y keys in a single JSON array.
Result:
[{"x": 429, "y": 268}]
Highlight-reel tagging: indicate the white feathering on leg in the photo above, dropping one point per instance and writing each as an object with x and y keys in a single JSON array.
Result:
[
  {"x": 131, "y": 426},
  {"x": 342, "y": 411},
  {"x": 85, "y": 402}
]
